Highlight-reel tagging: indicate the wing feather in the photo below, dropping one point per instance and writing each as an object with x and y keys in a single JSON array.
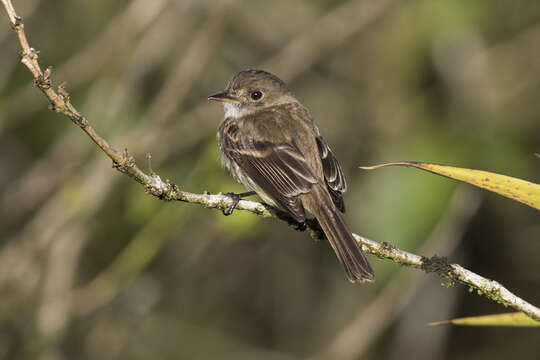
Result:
[
  {"x": 333, "y": 175},
  {"x": 281, "y": 171}
]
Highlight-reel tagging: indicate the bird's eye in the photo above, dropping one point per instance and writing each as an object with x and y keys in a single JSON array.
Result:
[{"x": 256, "y": 95}]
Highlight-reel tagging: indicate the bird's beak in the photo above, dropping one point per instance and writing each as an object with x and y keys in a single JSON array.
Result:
[{"x": 224, "y": 96}]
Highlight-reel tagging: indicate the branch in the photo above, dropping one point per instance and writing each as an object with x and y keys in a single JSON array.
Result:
[{"x": 165, "y": 190}]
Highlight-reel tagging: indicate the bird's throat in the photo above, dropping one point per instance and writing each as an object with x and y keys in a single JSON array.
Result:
[{"x": 235, "y": 111}]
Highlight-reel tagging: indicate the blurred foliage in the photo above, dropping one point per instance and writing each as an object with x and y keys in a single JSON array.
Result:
[{"x": 91, "y": 267}]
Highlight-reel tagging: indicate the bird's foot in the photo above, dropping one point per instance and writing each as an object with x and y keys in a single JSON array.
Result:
[
  {"x": 301, "y": 226},
  {"x": 235, "y": 199}
]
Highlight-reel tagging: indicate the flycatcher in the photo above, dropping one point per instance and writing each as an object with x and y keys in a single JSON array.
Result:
[{"x": 270, "y": 144}]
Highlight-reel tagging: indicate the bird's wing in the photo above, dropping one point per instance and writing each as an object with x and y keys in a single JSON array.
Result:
[
  {"x": 280, "y": 170},
  {"x": 333, "y": 175}
]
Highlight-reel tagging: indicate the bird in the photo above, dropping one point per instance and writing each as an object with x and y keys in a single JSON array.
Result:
[{"x": 269, "y": 143}]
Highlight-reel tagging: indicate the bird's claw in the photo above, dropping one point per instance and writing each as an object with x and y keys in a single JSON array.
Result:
[
  {"x": 302, "y": 226},
  {"x": 235, "y": 199}
]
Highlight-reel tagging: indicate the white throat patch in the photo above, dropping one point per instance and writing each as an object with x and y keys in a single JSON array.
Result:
[{"x": 233, "y": 110}]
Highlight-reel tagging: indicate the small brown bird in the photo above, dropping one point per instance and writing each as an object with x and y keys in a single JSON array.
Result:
[{"x": 269, "y": 143}]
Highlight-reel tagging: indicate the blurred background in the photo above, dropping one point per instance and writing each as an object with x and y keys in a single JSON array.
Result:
[{"x": 93, "y": 268}]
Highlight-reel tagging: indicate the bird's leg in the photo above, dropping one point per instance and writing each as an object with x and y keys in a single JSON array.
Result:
[{"x": 235, "y": 199}]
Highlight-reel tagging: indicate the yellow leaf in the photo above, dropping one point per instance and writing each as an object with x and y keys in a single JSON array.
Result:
[
  {"x": 523, "y": 191},
  {"x": 511, "y": 319}
]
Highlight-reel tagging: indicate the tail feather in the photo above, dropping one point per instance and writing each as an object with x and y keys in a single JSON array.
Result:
[{"x": 347, "y": 249}]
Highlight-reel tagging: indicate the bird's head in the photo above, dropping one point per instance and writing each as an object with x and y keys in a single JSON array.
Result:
[{"x": 252, "y": 90}]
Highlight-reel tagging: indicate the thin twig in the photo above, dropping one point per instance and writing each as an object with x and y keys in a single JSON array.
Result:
[
  {"x": 153, "y": 184},
  {"x": 135, "y": 19},
  {"x": 194, "y": 124},
  {"x": 26, "y": 244}
]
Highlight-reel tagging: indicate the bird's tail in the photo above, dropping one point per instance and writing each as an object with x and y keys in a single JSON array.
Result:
[{"x": 348, "y": 251}]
